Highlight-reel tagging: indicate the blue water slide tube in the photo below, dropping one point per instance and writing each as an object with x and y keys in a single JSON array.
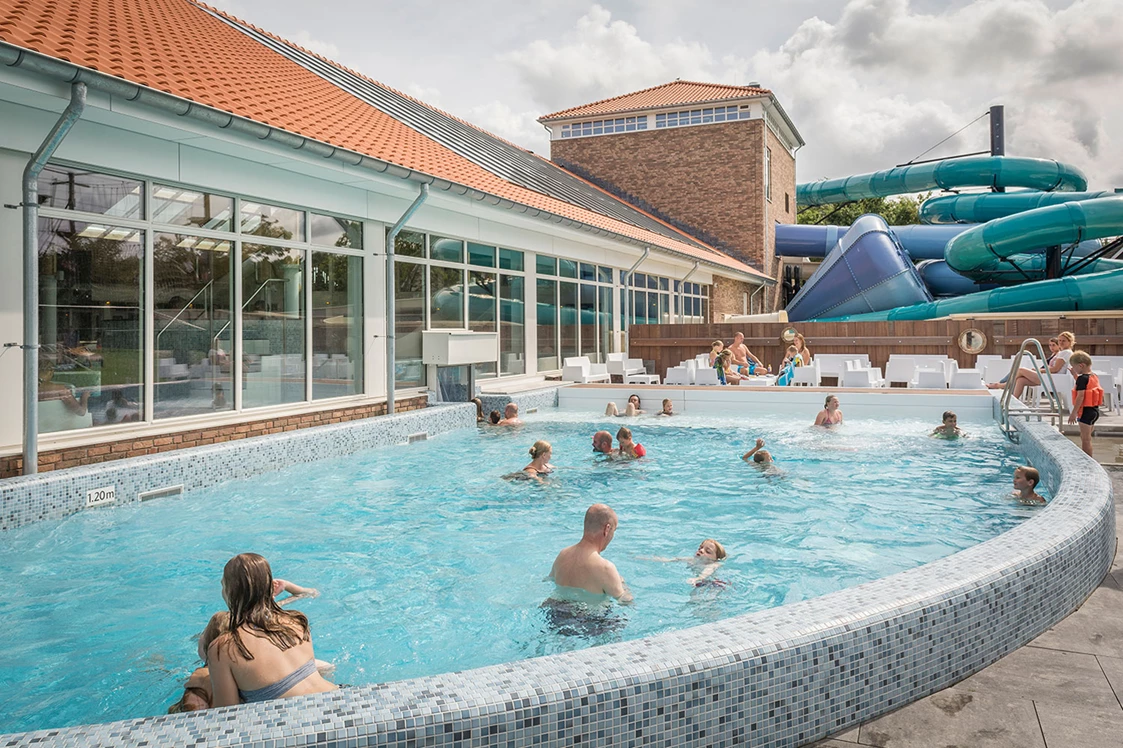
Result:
[
  {"x": 942, "y": 281},
  {"x": 988, "y": 206},
  {"x": 921, "y": 242},
  {"x": 866, "y": 271},
  {"x": 977, "y": 171}
]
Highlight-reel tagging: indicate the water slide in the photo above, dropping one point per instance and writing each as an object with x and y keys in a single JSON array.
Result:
[{"x": 1009, "y": 248}]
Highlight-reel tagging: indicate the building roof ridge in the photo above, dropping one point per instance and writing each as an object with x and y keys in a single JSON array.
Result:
[{"x": 575, "y": 110}]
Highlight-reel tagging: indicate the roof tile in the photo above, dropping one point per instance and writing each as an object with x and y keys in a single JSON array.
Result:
[{"x": 675, "y": 93}]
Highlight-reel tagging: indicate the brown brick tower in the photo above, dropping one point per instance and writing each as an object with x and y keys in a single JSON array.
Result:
[{"x": 716, "y": 161}]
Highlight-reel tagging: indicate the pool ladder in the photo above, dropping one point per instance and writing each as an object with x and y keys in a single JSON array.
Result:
[{"x": 1006, "y": 411}]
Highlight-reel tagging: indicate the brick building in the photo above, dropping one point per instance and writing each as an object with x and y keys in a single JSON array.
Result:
[{"x": 716, "y": 161}]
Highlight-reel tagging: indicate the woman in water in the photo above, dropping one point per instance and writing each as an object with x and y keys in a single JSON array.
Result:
[
  {"x": 267, "y": 654},
  {"x": 480, "y": 417},
  {"x": 830, "y": 415},
  {"x": 632, "y": 408},
  {"x": 540, "y": 455}
]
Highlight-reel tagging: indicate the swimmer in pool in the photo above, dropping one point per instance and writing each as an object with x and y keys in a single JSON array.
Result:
[
  {"x": 628, "y": 448},
  {"x": 510, "y": 416},
  {"x": 580, "y": 567},
  {"x": 830, "y": 415},
  {"x": 668, "y": 408},
  {"x": 758, "y": 454},
  {"x": 1025, "y": 485},
  {"x": 949, "y": 429},
  {"x": 602, "y": 443},
  {"x": 539, "y": 466},
  {"x": 632, "y": 408},
  {"x": 295, "y": 591},
  {"x": 706, "y": 560}
]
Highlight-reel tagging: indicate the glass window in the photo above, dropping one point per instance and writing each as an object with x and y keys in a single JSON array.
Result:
[
  {"x": 272, "y": 221},
  {"x": 639, "y": 280},
  {"x": 639, "y": 308},
  {"x": 664, "y": 284},
  {"x": 588, "y": 272},
  {"x": 604, "y": 320},
  {"x": 409, "y": 321},
  {"x": 567, "y": 268},
  {"x": 588, "y": 315},
  {"x": 272, "y": 325},
  {"x": 604, "y": 275},
  {"x": 183, "y": 207},
  {"x": 546, "y": 265},
  {"x": 447, "y": 250},
  {"x": 337, "y": 325},
  {"x": 193, "y": 297},
  {"x": 653, "y": 316},
  {"x": 652, "y": 281},
  {"x": 481, "y": 254},
  {"x": 510, "y": 259},
  {"x": 91, "y": 326},
  {"x": 567, "y": 310},
  {"x": 409, "y": 243},
  {"x": 72, "y": 188},
  {"x": 547, "y": 321},
  {"x": 332, "y": 231},
  {"x": 512, "y": 321},
  {"x": 446, "y": 298},
  {"x": 481, "y": 310}
]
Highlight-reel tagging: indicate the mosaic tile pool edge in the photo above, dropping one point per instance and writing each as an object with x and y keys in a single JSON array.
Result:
[{"x": 781, "y": 677}]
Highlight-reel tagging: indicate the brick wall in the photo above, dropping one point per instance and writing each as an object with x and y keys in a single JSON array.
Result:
[
  {"x": 12, "y": 465},
  {"x": 709, "y": 177},
  {"x": 728, "y": 297},
  {"x": 780, "y": 210}
]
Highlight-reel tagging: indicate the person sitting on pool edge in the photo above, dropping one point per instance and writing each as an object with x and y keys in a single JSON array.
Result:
[
  {"x": 510, "y": 416},
  {"x": 759, "y": 454},
  {"x": 1025, "y": 485},
  {"x": 949, "y": 429},
  {"x": 830, "y": 415},
  {"x": 668, "y": 408},
  {"x": 1087, "y": 396},
  {"x": 581, "y": 566},
  {"x": 602, "y": 443},
  {"x": 632, "y": 409},
  {"x": 628, "y": 448},
  {"x": 268, "y": 653},
  {"x": 716, "y": 348}
]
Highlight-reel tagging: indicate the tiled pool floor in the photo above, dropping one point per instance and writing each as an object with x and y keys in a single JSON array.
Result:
[{"x": 1062, "y": 690}]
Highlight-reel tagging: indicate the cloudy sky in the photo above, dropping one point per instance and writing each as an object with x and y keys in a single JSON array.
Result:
[{"x": 869, "y": 83}]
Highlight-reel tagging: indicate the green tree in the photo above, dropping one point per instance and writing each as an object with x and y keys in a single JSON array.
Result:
[{"x": 897, "y": 211}]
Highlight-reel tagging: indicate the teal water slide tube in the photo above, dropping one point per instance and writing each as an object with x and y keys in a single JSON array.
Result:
[{"x": 987, "y": 206}]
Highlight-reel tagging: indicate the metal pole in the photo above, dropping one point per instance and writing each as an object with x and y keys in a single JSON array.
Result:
[
  {"x": 31, "y": 274},
  {"x": 682, "y": 294},
  {"x": 998, "y": 134},
  {"x": 391, "y": 351},
  {"x": 628, "y": 299}
]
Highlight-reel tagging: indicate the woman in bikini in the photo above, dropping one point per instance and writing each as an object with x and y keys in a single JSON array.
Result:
[
  {"x": 830, "y": 415},
  {"x": 267, "y": 653},
  {"x": 540, "y": 454}
]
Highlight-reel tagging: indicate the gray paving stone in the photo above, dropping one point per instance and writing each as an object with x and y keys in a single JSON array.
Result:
[
  {"x": 1044, "y": 675},
  {"x": 957, "y": 718},
  {"x": 1095, "y": 628},
  {"x": 833, "y": 743},
  {"x": 1069, "y": 726},
  {"x": 1113, "y": 669}
]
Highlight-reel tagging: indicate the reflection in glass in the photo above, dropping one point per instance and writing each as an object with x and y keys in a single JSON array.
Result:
[
  {"x": 333, "y": 231},
  {"x": 409, "y": 321},
  {"x": 448, "y": 250},
  {"x": 446, "y": 298},
  {"x": 604, "y": 320},
  {"x": 409, "y": 243},
  {"x": 72, "y": 188},
  {"x": 639, "y": 308},
  {"x": 272, "y": 325},
  {"x": 604, "y": 275},
  {"x": 588, "y": 272},
  {"x": 192, "y": 299},
  {"x": 510, "y": 259},
  {"x": 589, "y": 322},
  {"x": 546, "y": 265},
  {"x": 512, "y": 318},
  {"x": 547, "y": 316},
  {"x": 337, "y": 325},
  {"x": 567, "y": 268},
  {"x": 272, "y": 221},
  {"x": 481, "y": 254},
  {"x": 652, "y": 308},
  {"x": 567, "y": 311},
  {"x": 90, "y": 325},
  {"x": 481, "y": 311},
  {"x": 183, "y": 207}
]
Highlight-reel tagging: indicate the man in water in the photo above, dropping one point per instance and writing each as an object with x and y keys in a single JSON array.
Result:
[
  {"x": 510, "y": 416},
  {"x": 744, "y": 361},
  {"x": 581, "y": 566},
  {"x": 602, "y": 442}
]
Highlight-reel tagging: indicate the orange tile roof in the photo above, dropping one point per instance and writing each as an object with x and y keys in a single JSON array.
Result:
[
  {"x": 158, "y": 43},
  {"x": 674, "y": 93}
]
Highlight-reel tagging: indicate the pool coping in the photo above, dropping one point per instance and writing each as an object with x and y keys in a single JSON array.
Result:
[{"x": 783, "y": 676}]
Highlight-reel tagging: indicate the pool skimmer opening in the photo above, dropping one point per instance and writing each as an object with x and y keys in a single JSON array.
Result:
[
  {"x": 161, "y": 493},
  {"x": 418, "y": 437}
]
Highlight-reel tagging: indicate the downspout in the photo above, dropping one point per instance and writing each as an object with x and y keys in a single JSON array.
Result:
[
  {"x": 682, "y": 294},
  {"x": 391, "y": 338},
  {"x": 31, "y": 274},
  {"x": 628, "y": 297},
  {"x": 753, "y": 296}
]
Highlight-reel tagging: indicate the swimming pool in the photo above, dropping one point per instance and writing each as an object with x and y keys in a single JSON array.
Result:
[{"x": 429, "y": 562}]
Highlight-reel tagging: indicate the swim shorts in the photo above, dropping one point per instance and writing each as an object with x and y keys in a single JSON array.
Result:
[{"x": 1089, "y": 416}]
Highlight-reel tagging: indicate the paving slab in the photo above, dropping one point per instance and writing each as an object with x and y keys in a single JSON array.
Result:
[
  {"x": 1069, "y": 726},
  {"x": 1094, "y": 628},
  {"x": 1045, "y": 675},
  {"x": 1113, "y": 669},
  {"x": 955, "y": 718},
  {"x": 833, "y": 743}
]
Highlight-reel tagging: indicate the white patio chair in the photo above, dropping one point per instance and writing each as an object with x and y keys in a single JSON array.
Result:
[
  {"x": 625, "y": 367},
  {"x": 967, "y": 379},
  {"x": 807, "y": 375},
  {"x": 706, "y": 377},
  {"x": 1107, "y": 381},
  {"x": 580, "y": 369},
  {"x": 860, "y": 378},
  {"x": 691, "y": 370},
  {"x": 931, "y": 379},
  {"x": 677, "y": 375},
  {"x": 995, "y": 370},
  {"x": 900, "y": 370}
]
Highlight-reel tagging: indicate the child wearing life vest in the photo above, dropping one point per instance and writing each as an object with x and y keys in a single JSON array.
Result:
[{"x": 1086, "y": 398}]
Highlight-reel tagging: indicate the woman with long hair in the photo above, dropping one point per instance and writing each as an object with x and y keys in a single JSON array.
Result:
[
  {"x": 267, "y": 653},
  {"x": 1058, "y": 364}
]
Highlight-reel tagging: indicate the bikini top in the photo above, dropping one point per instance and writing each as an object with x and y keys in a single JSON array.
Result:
[{"x": 281, "y": 687}]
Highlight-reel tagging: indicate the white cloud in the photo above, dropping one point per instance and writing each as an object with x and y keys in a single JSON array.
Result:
[{"x": 320, "y": 47}]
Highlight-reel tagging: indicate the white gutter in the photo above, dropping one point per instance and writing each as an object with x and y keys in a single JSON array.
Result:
[
  {"x": 391, "y": 315},
  {"x": 628, "y": 297},
  {"x": 682, "y": 295}
]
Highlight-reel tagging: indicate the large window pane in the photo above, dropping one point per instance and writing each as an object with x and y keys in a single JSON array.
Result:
[
  {"x": 194, "y": 329},
  {"x": 337, "y": 325},
  {"x": 482, "y": 297},
  {"x": 272, "y": 221},
  {"x": 446, "y": 298},
  {"x": 511, "y": 259},
  {"x": 639, "y": 308},
  {"x": 272, "y": 325},
  {"x": 604, "y": 320},
  {"x": 90, "y": 325},
  {"x": 567, "y": 268},
  {"x": 409, "y": 321},
  {"x": 512, "y": 343},
  {"x": 546, "y": 265},
  {"x": 567, "y": 310},
  {"x": 481, "y": 254},
  {"x": 588, "y": 272},
  {"x": 589, "y": 322},
  {"x": 409, "y": 243},
  {"x": 71, "y": 188},
  {"x": 653, "y": 308},
  {"x": 183, "y": 207},
  {"x": 547, "y": 320},
  {"x": 332, "y": 231},
  {"x": 448, "y": 250}
]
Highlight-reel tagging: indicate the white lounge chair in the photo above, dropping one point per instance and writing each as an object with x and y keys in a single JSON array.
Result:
[
  {"x": 967, "y": 379},
  {"x": 931, "y": 379},
  {"x": 706, "y": 376},
  {"x": 677, "y": 375},
  {"x": 900, "y": 370},
  {"x": 809, "y": 375},
  {"x": 581, "y": 369},
  {"x": 624, "y": 367},
  {"x": 861, "y": 378}
]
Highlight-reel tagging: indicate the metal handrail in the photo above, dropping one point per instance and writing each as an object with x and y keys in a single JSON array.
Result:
[
  {"x": 245, "y": 304},
  {"x": 1005, "y": 411},
  {"x": 178, "y": 314}
]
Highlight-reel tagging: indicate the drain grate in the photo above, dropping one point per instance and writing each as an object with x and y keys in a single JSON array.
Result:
[
  {"x": 161, "y": 493},
  {"x": 419, "y": 437}
]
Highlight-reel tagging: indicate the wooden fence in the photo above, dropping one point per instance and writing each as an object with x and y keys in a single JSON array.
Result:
[{"x": 667, "y": 345}]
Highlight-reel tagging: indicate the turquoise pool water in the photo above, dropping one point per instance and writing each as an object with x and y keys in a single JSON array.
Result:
[{"x": 428, "y": 561}]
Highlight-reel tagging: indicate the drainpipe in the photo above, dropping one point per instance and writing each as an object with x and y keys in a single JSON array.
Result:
[
  {"x": 753, "y": 296},
  {"x": 628, "y": 297},
  {"x": 31, "y": 274},
  {"x": 391, "y": 338},
  {"x": 682, "y": 294}
]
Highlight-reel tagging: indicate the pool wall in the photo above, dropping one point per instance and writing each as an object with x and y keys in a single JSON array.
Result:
[{"x": 781, "y": 677}]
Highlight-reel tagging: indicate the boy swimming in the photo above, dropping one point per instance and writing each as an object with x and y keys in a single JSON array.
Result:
[
  {"x": 1025, "y": 485},
  {"x": 949, "y": 429}
]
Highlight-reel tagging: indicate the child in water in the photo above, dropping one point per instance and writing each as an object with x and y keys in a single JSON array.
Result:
[
  {"x": 706, "y": 560},
  {"x": 628, "y": 448},
  {"x": 949, "y": 429},
  {"x": 758, "y": 454},
  {"x": 668, "y": 407},
  {"x": 1025, "y": 485}
]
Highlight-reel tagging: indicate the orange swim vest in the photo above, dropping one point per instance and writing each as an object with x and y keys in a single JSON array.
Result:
[{"x": 1093, "y": 395}]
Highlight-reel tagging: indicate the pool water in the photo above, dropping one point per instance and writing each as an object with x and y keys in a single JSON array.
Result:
[{"x": 428, "y": 561}]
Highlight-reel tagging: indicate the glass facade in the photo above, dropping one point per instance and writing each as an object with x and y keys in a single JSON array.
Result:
[
  {"x": 272, "y": 325},
  {"x": 547, "y": 323},
  {"x": 653, "y": 301},
  {"x": 409, "y": 321},
  {"x": 583, "y": 319},
  {"x": 512, "y": 340},
  {"x": 337, "y": 325}
]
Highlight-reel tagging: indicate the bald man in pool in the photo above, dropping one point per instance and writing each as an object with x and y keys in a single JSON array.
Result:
[
  {"x": 602, "y": 442},
  {"x": 581, "y": 566}
]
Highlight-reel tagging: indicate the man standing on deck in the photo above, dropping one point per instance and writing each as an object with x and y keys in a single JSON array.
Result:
[
  {"x": 581, "y": 566},
  {"x": 743, "y": 359}
]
